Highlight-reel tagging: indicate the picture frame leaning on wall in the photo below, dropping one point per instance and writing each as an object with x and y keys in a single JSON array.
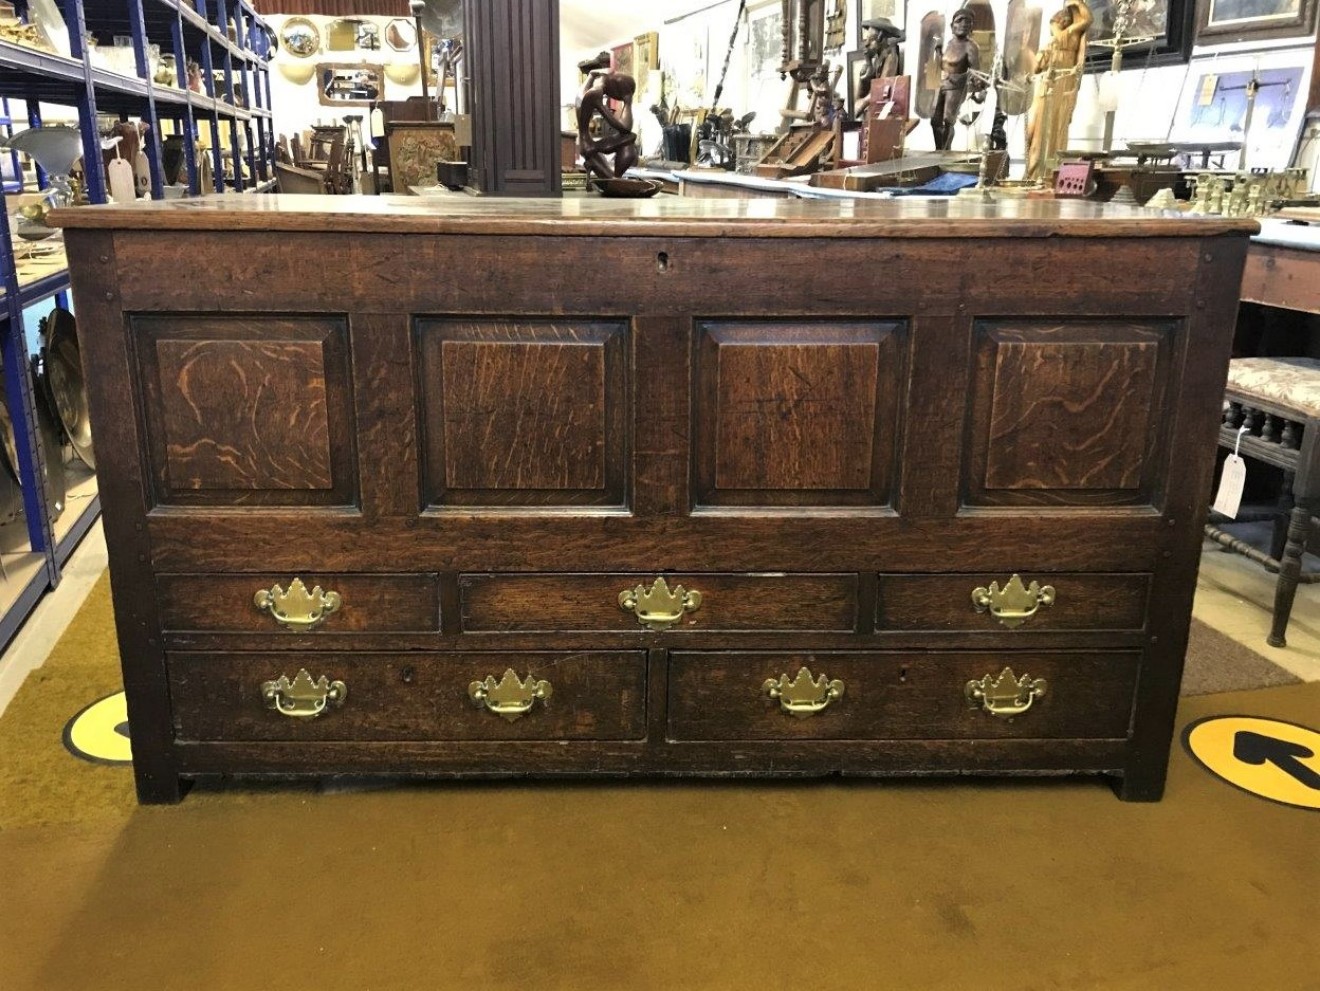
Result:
[{"x": 1224, "y": 21}]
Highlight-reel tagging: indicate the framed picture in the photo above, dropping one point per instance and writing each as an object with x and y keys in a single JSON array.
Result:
[
  {"x": 1220, "y": 21},
  {"x": 646, "y": 50},
  {"x": 868, "y": 10},
  {"x": 1170, "y": 24},
  {"x": 857, "y": 64},
  {"x": 1213, "y": 104},
  {"x": 622, "y": 59}
]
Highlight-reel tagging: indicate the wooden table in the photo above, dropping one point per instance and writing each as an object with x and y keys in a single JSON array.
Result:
[{"x": 1283, "y": 267}]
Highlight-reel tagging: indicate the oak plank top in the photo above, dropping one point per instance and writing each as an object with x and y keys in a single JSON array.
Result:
[{"x": 662, "y": 216}]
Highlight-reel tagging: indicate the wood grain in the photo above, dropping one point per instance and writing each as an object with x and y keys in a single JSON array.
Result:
[
  {"x": 254, "y": 411},
  {"x": 897, "y": 696},
  {"x": 575, "y": 602},
  {"x": 370, "y": 603},
  {"x": 597, "y": 695},
  {"x": 798, "y": 413},
  {"x": 524, "y": 413},
  {"x": 944, "y": 602},
  {"x": 1064, "y": 413}
]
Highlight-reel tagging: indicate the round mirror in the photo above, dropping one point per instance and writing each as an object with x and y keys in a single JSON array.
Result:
[
  {"x": 401, "y": 34},
  {"x": 300, "y": 37}
]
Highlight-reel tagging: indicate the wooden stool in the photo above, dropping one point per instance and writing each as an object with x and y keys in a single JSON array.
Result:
[{"x": 1278, "y": 401}]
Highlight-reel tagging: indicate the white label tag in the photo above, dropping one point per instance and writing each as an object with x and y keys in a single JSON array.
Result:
[{"x": 1229, "y": 499}]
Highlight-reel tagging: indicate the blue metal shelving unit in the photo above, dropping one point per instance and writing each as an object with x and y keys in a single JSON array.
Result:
[{"x": 237, "y": 92}]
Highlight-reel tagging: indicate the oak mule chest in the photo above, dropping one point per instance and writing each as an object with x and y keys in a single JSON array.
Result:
[{"x": 706, "y": 487}]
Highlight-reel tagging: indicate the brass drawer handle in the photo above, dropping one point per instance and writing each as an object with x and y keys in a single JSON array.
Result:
[
  {"x": 510, "y": 697},
  {"x": 298, "y": 609},
  {"x": 657, "y": 608},
  {"x": 1005, "y": 696},
  {"x": 303, "y": 698},
  {"x": 1015, "y": 603},
  {"x": 804, "y": 696}
]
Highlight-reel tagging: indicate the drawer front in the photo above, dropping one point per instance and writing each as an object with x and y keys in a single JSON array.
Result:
[
  {"x": 946, "y": 603},
  {"x": 591, "y": 603},
  {"x": 591, "y": 695},
  {"x": 895, "y": 695},
  {"x": 366, "y": 603}
]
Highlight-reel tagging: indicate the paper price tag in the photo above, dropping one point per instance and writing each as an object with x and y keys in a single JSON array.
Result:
[{"x": 1229, "y": 499}]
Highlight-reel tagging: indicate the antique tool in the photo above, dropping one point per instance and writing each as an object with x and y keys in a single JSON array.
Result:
[
  {"x": 1004, "y": 696},
  {"x": 303, "y": 698},
  {"x": 510, "y": 698},
  {"x": 803, "y": 696}
]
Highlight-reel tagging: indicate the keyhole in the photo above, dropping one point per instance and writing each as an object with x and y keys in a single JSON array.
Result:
[
  {"x": 407, "y": 675},
  {"x": 902, "y": 675},
  {"x": 662, "y": 261}
]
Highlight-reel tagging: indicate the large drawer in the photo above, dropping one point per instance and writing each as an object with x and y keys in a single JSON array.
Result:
[
  {"x": 365, "y": 603},
  {"x": 896, "y": 695},
  {"x": 591, "y": 603},
  {"x": 591, "y": 695},
  {"x": 948, "y": 602}
]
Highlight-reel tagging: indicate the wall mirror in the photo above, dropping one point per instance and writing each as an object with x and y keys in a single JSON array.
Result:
[
  {"x": 300, "y": 37},
  {"x": 349, "y": 85},
  {"x": 401, "y": 34},
  {"x": 348, "y": 34}
]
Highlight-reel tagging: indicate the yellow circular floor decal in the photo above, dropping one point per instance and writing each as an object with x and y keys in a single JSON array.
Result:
[
  {"x": 1276, "y": 760},
  {"x": 100, "y": 732}
]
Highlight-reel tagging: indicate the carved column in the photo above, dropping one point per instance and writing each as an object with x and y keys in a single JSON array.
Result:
[{"x": 512, "y": 58}]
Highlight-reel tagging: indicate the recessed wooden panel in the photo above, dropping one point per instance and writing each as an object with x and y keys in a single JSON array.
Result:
[
  {"x": 1068, "y": 413},
  {"x": 526, "y": 413},
  {"x": 798, "y": 413},
  {"x": 247, "y": 410}
]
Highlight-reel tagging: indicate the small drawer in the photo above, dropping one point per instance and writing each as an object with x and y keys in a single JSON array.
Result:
[
  {"x": 591, "y": 695},
  {"x": 994, "y": 603},
  {"x": 291, "y": 604},
  {"x": 899, "y": 696},
  {"x": 675, "y": 603}
]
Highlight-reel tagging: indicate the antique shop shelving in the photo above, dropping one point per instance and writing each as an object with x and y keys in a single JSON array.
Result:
[{"x": 231, "y": 44}]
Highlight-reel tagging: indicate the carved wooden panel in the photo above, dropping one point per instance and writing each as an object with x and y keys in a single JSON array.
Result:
[
  {"x": 1068, "y": 413},
  {"x": 797, "y": 414},
  {"x": 247, "y": 410},
  {"x": 524, "y": 414}
]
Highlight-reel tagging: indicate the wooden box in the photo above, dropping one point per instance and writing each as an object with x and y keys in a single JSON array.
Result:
[{"x": 589, "y": 488}]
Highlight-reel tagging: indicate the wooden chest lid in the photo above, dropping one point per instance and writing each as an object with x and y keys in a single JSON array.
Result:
[{"x": 668, "y": 216}]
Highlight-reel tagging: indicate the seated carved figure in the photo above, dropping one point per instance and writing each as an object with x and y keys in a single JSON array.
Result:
[{"x": 614, "y": 152}]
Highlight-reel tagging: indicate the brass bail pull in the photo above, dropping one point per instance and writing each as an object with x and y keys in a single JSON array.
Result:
[
  {"x": 303, "y": 698},
  {"x": 1015, "y": 603},
  {"x": 657, "y": 608},
  {"x": 297, "y": 609},
  {"x": 803, "y": 696},
  {"x": 510, "y": 698},
  {"x": 1005, "y": 696}
]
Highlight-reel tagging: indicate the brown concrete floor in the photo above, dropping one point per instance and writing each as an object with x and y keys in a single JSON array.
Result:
[{"x": 1025, "y": 885}]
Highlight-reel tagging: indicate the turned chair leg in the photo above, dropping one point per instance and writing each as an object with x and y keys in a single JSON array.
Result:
[
  {"x": 1290, "y": 570},
  {"x": 1282, "y": 514}
]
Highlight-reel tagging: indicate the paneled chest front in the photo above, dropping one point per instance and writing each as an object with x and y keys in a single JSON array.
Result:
[{"x": 680, "y": 487}]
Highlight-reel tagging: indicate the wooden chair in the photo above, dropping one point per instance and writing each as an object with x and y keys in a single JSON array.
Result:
[{"x": 1278, "y": 401}]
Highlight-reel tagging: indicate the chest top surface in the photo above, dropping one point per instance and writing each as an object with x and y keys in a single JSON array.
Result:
[{"x": 907, "y": 217}]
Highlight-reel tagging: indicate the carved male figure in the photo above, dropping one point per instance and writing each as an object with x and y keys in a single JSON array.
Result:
[{"x": 961, "y": 56}]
